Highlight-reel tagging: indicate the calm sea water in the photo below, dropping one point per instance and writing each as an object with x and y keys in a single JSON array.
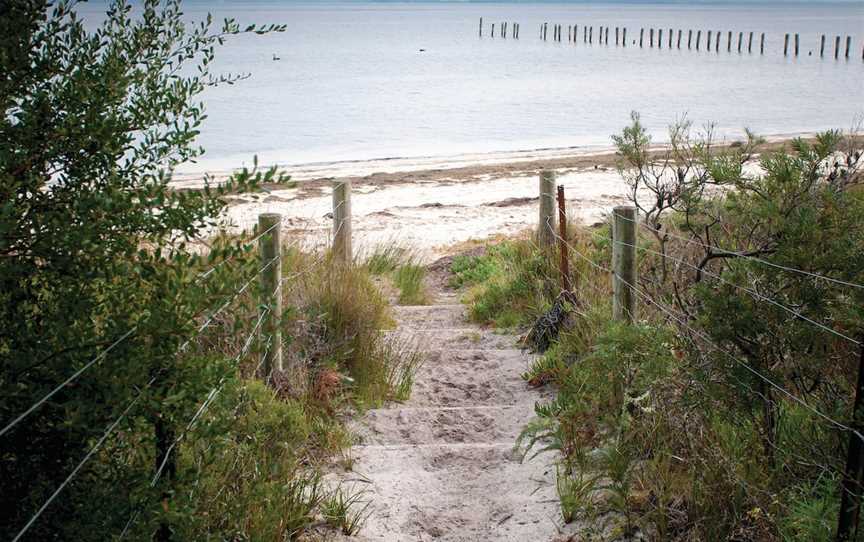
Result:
[{"x": 352, "y": 83}]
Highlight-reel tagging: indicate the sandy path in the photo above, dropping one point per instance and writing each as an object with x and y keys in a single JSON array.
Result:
[{"x": 441, "y": 465}]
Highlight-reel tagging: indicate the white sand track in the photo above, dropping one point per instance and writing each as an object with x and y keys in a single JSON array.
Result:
[{"x": 441, "y": 466}]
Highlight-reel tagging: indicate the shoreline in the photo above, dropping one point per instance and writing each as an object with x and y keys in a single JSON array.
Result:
[
  {"x": 362, "y": 169},
  {"x": 434, "y": 210}
]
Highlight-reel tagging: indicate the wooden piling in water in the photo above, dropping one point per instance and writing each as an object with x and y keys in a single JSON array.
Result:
[
  {"x": 624, "y": 37},
  {"x": 740, "y": 41},
  {"x": 584, "y": 34},
  {"x": 641, "y": 35},
  {"x": 679, "y": 38},
  {"x": 591, "y": 35},
  {"x": 504, "y": 30},
  {"x": 670, "y": 38},
  {"x": 750, "y": 43},
  {"x": 698, "y": 39},
  {"x": 729, "y": 42},
  {"x": 717, "y": 42},
  {"x": 651, "y": 38},
  {"x": 708, "y": 41},
  {"x": 836, "y": 47},
  {"x": 689, "y": 39},
  {"x": 822, "y": 46},
  {"x": 786, "y": 45},
  {"x": 493, "y": 30},
  {"x": 796, "y": 44},
  {"x": 848, "y": 45},
  {"x": 660, "y": 38},
  {"x": 762, "y": 44},
  {"x": 481, "y": 27},
  {"x": 606, "y": 38},
  {"x": 616, "y": 36}
]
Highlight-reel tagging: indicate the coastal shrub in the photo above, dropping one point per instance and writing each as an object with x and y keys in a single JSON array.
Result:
[{"x": 670, "y": 424}]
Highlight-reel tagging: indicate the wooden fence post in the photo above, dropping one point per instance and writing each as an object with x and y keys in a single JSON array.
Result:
[
  {"x": 270, "y": 247},
  {"x": 836, "y": 47},
  {"x": 481, "y": 27},
  {"x": 850, "y": 487},
  {"x": 566, "y": 285},
  {"x": 786, "y": 45},
  {"x": 342, "y": 221},
  {"x": 624, "y": 37},
  {"x": 624, "y": 263},
  {"x": 546, "y": 225},
  {"x": 797, "y": 40},
  {"x": 750, "y": 43},
  {"x": 848, "y": 45},
  {"x": 762, "y": 44}
]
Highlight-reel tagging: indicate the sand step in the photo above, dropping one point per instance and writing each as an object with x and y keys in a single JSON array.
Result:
[
  {"x": 454, "y": 337},
  {"x": 429, "y": 316},
  {"x": 429, "y": 425},
  {"x": 473, "y": 492}
]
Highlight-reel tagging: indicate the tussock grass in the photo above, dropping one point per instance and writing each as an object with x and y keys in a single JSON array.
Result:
[{"x": 253, "y": 461}]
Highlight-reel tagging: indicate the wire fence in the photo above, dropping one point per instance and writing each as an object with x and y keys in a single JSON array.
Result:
[
  {"x": 265, "y": 332},
  {"x": 851, "y": 487}
]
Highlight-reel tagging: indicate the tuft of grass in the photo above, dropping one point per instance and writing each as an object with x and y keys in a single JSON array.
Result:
[
  {"x": 409, "y": 279},
  {"x": 386, "y": 258},
  {"x": 346, "y": 511}
]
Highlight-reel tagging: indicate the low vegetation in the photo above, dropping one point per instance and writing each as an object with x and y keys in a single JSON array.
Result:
[{"x": 708, "y": 418}]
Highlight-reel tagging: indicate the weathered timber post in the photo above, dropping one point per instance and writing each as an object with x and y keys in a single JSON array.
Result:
[
  {"x": 591, "y": 35},
  {"x": 606, "y": 37},
  {"x": 569, "y": 32},
  {"x": 504, "y": 35},
  {"x": 698, "y": 39},
  {"x": 717, "y": 42},
  {"x": 850, "y": 486},
  {"x": 624, "y": 37},
  {"x": 822, "y": 46},
  {"x": 670, "y": 38},
  {"x": 708, "y": 42},
  {"x": 786, "y": 45},
  {"x": 600, "y": 36},
  {"x": 750, "y": 43},
  {"x": 481, "y": 27},
  {"x": 641, "y": 35},
  {"x": 546, "y": 226},
  {"x": 270, "y": 247},
  {"x": 651, "y": 37},
  {"x": 342, "y": 221},
  {"x": 741, "y": 40},
  {"x": 566, "y": 285},
  {"x": 659, "y": 38},
  {"x": 584, "y": 34},
  {"x": 616, "y": 36},
  {"x": 689, "y": 39},
  {"x": 836, "y": 47},
  {"x": 796, "y": 44},
  {"x": 624, "y": 263},
  {"x": 493, "y": 30},
  {"x": 848, "y": 45},
  {"x": 679, "y": 38},
  {"x": 762, "y": 44}
]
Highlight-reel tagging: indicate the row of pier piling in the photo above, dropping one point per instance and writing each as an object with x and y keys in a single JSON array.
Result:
[
  {"x": 692, "y": 39},
  {"x": 502, "y": 29}
]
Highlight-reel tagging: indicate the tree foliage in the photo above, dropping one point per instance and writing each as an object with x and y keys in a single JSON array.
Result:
[{"x": 100, "y": 260}]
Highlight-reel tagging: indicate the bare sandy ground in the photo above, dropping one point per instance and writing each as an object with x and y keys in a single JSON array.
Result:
[{"x": 441, "y": 466}]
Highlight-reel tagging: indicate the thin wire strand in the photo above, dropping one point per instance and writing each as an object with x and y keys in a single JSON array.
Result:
[
  {"x": 731, "y": 356},
  {"x": 753, "y": 293},
  {"x": 66, "y": 382},
  {"x": 749, "y": 257},
  {"x": 78, "y": 467},
  {"x": 210, "y": 396}
]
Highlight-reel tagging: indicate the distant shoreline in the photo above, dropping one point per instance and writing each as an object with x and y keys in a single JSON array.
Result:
[{"x": 451, "y": 167}]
